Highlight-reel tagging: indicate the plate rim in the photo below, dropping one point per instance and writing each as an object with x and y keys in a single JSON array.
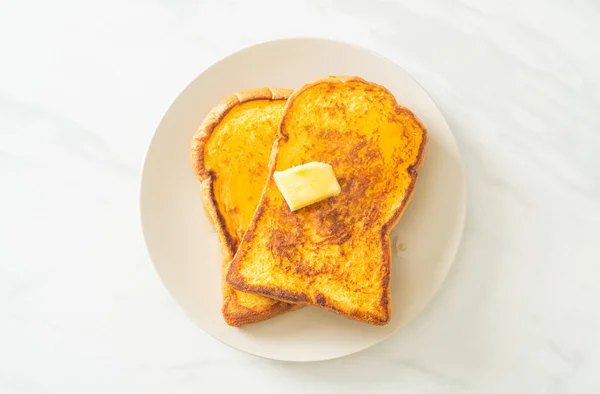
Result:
[{"x": 460, "y": 225}]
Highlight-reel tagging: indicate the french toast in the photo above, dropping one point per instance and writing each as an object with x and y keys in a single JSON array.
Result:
[
  {"x": 230, "y": 156},
  {"x": 335, "y": 253}
]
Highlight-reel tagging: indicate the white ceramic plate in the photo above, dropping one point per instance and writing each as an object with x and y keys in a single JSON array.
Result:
[{"x": 184, "y": 247}]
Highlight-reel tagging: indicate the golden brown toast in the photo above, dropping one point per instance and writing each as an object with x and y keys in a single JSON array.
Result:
[
  {"x": 335, "y": 253},
  {"x": 230, "y": 156}
]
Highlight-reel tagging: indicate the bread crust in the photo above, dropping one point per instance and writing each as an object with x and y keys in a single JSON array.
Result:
[
  {"x": 233, "y": 313},
  {"x": 238, "y": 281}
]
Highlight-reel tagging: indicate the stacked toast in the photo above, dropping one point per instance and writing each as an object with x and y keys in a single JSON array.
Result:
[{"x": 334, "y": 253}]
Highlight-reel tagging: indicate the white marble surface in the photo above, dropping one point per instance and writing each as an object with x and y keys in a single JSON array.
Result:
[{"x": 82, "y": 87}]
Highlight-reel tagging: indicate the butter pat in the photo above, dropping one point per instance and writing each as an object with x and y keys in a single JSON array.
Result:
[{"x": 307, "y": 184}]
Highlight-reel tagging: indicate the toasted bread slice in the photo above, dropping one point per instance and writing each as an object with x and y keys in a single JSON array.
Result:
[
  {"x": 230, "y": 156},
  {"x": 335, "y": 253}
]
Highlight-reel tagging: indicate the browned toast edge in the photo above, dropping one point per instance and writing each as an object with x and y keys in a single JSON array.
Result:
[
  {"x": 237, "y": 281},
  {"x": 207, "y": 179}
]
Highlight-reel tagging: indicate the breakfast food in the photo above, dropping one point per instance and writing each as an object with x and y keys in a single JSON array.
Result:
[
  {"x": 334, "y": 253},
  {"x": 230, "y": 155}
]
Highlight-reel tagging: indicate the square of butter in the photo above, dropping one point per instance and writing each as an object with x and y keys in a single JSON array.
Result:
[{"x": 307, "y": 184}]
